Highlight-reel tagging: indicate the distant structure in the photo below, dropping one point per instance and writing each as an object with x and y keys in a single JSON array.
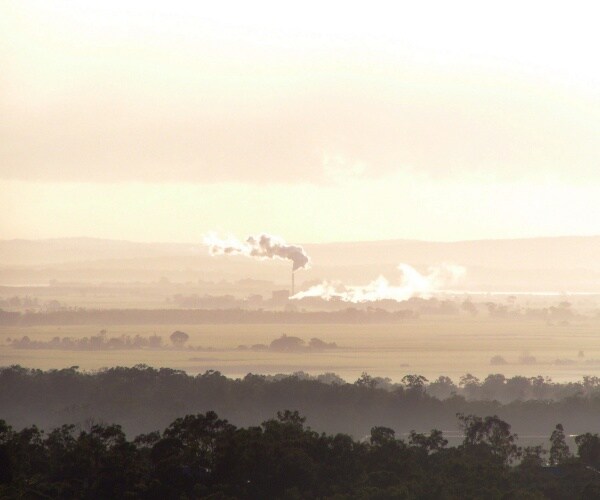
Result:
[{"x": 280, "y": 297}]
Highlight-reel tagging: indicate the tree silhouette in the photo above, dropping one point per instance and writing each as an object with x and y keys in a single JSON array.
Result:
[
  {"x": 179, "y": 338},
  {"x": 492, "y": 432},
  {"x": 559, "y": 450}
]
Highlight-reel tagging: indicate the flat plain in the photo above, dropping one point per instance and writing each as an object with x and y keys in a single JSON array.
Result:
[{"x": 429, "y": 346}]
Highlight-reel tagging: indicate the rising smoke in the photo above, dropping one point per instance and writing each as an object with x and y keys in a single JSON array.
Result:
[
  {"x": 262, "y": 246},
  {"x": 413, "y": 284}
]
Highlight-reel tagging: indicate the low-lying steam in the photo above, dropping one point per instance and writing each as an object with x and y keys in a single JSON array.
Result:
[
  {"x": 413, "y": 284},
  {"x": 262, "y": 246}
]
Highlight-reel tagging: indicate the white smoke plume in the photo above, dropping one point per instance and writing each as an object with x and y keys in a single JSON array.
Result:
[
  {"x": 262, "y": 246},
  {"x": 413, "y": 284}
]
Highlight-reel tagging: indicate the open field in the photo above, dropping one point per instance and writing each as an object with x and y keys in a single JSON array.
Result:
[{"x": 430, "y": 347}]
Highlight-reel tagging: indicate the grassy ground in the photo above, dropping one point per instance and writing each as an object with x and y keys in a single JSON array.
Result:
[{"x": 428, "y": 346}]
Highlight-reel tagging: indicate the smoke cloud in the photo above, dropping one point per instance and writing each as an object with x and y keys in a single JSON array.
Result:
[
  {"x": 263, "y": 246},
  {"x": 413, "y": 284}
]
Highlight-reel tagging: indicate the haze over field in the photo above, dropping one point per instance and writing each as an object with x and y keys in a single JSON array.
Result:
[
  {"x": 380, "y": 217},
  {"x": 186, "y": 163}
]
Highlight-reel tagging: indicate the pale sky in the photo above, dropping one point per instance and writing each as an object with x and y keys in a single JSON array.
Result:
[{"x": 318, "y": 121}]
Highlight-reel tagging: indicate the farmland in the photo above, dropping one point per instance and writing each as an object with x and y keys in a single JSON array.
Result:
[{"x": 427, "y": 346}]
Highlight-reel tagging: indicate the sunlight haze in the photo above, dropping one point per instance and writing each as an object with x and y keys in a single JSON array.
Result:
[{"x": 404, "y": 120}]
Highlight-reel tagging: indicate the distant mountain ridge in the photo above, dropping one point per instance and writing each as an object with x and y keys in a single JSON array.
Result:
[
  {"x": 67, "y": 250},
  {"x": 565, "y": 252},
  {"x": 535, "y": 264}
]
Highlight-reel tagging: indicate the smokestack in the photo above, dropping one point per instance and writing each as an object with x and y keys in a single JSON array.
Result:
[{"x": 293, "y": 291}]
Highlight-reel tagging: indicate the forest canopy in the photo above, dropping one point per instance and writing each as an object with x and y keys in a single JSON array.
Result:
[
  {"x": 142, "y": 399},
  {"x": 204, "y": 456}
]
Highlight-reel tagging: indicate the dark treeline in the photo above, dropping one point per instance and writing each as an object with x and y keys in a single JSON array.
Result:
[
  {"x": 196, "y": 316},
  {"x": 93, "y": 343},
  {"x": 203, "y": 456},
  {"x": 142, "y": 399},
  {"x": 102, "y": 342}
]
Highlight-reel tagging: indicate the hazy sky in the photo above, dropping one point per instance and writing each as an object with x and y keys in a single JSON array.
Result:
[{"x": 318, "y": 121}]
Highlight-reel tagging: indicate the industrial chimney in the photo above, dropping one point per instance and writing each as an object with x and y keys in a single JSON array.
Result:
[{"x": 293, "y": 291}]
